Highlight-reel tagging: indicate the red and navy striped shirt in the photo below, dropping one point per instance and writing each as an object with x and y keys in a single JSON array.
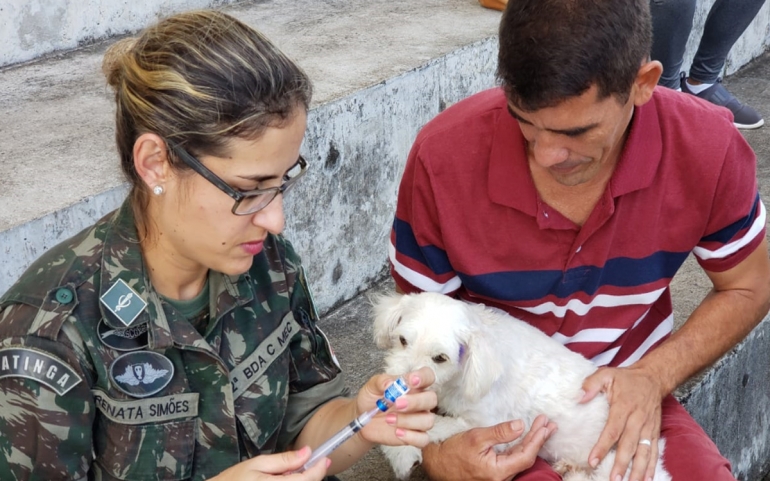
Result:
[{"x": 469, "y": 222}]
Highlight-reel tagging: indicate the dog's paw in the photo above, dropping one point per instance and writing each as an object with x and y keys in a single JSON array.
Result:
[
  {"x": 570, "y": 471},
  {"x": 402, "y": 459},
  {"x": 561, "y": 467}
]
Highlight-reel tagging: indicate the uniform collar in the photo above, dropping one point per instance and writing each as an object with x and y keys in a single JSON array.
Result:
[
  {"x": 122, "y": 261},
  {"x": 510, "y": 182}
]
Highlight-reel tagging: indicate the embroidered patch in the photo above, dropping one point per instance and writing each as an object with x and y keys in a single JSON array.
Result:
[
  {"x": 124, "y": 339},
  {"x": 155, "y": 410},
  {"x": 253, "y": 367},
  {"x": 39, "y": 366},
  {"x": 141, "y": 374},
  {"x": 124, "y": 302}
]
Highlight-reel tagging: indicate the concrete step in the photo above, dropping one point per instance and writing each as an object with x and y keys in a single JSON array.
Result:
[
  {"x": 381, "y": 69},
  {"x": 31, "y": 29}
]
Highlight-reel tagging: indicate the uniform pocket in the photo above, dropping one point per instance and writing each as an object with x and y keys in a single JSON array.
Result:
[
  {"x": 162, "y": 451},
  {"x": 261, "y": 408}
]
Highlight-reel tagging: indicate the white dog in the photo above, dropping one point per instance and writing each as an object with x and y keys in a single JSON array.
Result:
[{"x": 491, "y": 368}]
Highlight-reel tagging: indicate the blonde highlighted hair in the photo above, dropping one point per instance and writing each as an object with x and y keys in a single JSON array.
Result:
[{"x": 198, "y": 78}]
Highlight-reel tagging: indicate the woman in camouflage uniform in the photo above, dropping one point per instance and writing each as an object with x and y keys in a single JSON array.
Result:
[{"x": 176, "y": 338}]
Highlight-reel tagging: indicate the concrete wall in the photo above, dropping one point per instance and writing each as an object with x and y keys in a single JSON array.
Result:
[
  {"x": 750, "y": 45},
  {"x": 360, "y": 144},
  {"x": 732, "y": 404},
  {"x": 31, "y": 28}
]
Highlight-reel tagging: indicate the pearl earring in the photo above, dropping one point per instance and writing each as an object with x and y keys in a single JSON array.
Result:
[{"x": 157, "y": 190}]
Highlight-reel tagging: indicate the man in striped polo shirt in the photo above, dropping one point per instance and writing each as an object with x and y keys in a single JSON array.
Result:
[{"x": 569, "y": 198}]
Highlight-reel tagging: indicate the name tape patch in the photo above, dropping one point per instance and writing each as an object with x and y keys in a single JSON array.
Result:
[
  {"x": 157, "y": 410},
  {"x": 39, "y": 366},
  {"x": 252, "y": 368}
]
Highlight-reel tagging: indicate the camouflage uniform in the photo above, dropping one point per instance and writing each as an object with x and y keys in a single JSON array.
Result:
[{"x": 77, "y": 396}]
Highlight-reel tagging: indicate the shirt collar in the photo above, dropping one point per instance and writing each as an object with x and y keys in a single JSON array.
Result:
[
  {"x": 641, "y": 154},
  {"x": 510, "y": 182},
  {"x": 122, "y": 261}
]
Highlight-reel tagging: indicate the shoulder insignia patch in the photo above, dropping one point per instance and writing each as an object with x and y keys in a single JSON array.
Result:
[
  {"x": 141, "y": 374},
  {"x": 125, "y": 303},
  {"x": 39, "y": 366},
  {"x": 124, "y": 339}
]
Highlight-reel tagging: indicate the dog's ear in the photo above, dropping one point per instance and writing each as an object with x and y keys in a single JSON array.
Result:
[
  {"x": 481, "y": 366},
  {"x": 387, "y": 314}
]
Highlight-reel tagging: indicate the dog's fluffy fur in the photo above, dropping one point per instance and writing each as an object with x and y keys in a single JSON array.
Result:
[{"x": 491, "y": 368}]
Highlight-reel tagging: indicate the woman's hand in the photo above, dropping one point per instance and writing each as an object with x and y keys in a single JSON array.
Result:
[
  {"x": 270, "y": 466},
  {"x": 407, "y": 421}
]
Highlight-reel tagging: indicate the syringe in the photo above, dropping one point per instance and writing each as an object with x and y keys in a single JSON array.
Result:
[{"x": 393, "y": 392}]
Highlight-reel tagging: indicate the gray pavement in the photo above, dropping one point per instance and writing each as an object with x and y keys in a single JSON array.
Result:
[{"x": 349, "y": 326}]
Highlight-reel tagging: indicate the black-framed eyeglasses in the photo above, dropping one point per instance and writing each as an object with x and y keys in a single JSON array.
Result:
[{"x": 248, "y": 202}]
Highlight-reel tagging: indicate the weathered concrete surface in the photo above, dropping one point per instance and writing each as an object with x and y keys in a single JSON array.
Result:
[
  {"x": 751, "y": 44},
  {"x": 381, "y": 70},
  {"x": 731, "y": 404},
  {"x": 359, "y": 145},
  {"x": 31, "y": 28}
]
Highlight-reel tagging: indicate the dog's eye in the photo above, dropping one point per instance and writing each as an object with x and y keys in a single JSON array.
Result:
[
  {"x": 403, "y": 341},
  {"x": 440, "y": 358}
]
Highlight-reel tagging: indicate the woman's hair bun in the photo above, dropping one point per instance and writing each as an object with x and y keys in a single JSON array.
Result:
[{"x": 114, "y": 60}]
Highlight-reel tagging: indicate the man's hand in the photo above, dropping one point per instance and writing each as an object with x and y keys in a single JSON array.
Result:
[
  {"x": 470, "y": 455},
  {"x": 635, "y": 414}
]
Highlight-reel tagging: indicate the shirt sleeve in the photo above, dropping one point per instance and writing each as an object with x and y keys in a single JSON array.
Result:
[
  {"x": 46, "y": 408},
  {"x": 736, "y": 223},
  {"x": 418, "y": 258},
  {"x": 303, "y": 405}
]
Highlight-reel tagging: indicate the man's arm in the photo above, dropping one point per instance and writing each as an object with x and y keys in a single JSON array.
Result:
[{"x": 738, "y": 301}]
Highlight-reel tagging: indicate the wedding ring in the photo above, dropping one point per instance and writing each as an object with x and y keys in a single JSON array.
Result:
[{"x": 646, "y": 442}]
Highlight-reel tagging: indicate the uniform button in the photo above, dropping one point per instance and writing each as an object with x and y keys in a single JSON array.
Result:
[
  {"x": 64, "y": 295},
  {"x": 578, "y": 249}
]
